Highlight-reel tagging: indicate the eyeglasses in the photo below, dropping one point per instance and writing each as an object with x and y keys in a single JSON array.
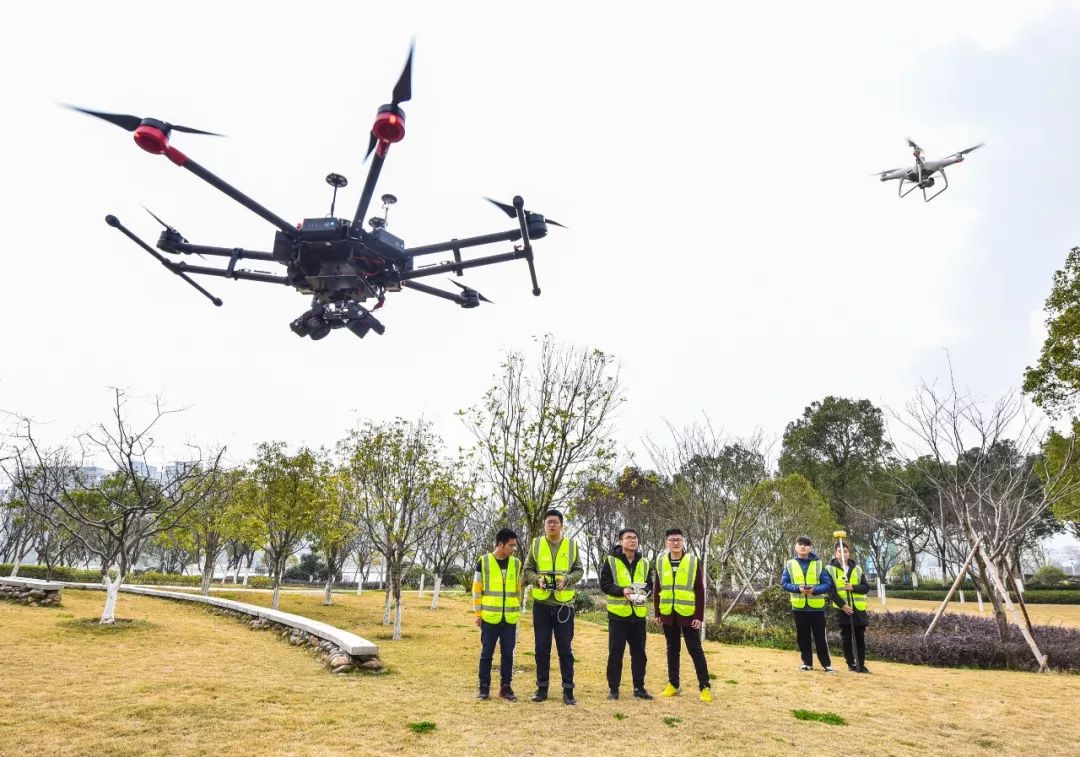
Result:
[{"x": 674, "y": 538}]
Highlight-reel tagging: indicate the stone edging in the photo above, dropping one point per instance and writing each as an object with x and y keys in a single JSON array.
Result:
[{"x": 343, "y": 651}]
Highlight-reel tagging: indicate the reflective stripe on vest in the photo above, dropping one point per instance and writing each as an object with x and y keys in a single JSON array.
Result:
[
  {"x": 795, "y": 572},
  {"x": 499, "y": 599},
  {"x": 677, "y": 587},
  {"x": 566, "y": 556},
  {"x": 622, "y": 606},
  {"x": 858, "y": 601}
]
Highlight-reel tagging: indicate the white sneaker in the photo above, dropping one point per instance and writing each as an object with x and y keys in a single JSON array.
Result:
[
  {"x": 806, "y": 667},
  {"x": 829, "y": 669}
]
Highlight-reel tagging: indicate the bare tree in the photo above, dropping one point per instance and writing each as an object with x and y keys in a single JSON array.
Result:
[
  {"x": 989, "y": 480},
  {"x": 115, "y": 517},
  {"x": 544, "y": 428},
  {"x": 713, "y": 495},
  {"x": 392, "y": 468}
]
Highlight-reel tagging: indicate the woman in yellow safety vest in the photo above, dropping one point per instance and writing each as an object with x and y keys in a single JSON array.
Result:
[{"x": 849, "y": 599}]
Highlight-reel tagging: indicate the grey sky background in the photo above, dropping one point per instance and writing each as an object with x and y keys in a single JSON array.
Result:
[{"x": 725, "y": 240}]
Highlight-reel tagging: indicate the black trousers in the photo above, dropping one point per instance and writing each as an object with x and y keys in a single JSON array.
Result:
[
  {"x": 505, "y": 634},
  {"x": 809, "y": 624},
  {"x": 545, "y": 625},
  {"x": 860, "y": 642},
  {"x": 619, "y": 635},
  {"x": 672, "y": 634}
]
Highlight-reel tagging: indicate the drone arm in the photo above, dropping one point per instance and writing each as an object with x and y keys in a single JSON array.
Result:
[
  {"x": 455, "y": 266},
  {"x": 184, "y": 161},
  {"x": 224, "y": 252},
  {"x": 457, "y": 244},
  {"x": 369, "y": 189},
  {"x": 115, "y": 223},
  {"x": 452, "y": 296},
  {"x": 229, "y": 273},
  {"x": 519, "y": 206}
]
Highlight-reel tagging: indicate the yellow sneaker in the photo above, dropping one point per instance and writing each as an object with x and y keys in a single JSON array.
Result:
[
  {"x": 706, "y": 695},
  {"x": 669, "y": 691}
]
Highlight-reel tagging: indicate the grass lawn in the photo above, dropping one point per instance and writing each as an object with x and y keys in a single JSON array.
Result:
[
  {"x": 1049, "y": 615},
  {"x": 182, "y": 680}
]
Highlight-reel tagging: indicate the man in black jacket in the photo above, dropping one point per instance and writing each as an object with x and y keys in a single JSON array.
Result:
[
  {"x": 627, "y": 611},
  {"x": 849, "y": 598}
]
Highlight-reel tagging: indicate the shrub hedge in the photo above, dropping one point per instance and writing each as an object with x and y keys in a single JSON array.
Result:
[
  {"x": 959, "y": 640},
  {"x": 81, "y": 575},
  {"x": 1031, "y": 596}
]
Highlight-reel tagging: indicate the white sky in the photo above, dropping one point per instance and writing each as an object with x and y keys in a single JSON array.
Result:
[{"x": 711, "y": 161}]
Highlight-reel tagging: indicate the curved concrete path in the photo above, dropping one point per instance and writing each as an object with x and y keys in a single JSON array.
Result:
[{"x": 354, "y": 645}]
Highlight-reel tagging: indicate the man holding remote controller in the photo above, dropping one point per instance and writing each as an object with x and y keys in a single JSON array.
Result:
[{"x": 625, "y": 579}]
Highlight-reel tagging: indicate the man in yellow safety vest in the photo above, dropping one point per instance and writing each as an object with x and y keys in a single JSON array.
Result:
[
  {"x": 679, "y": 601},
  {"x": 809, "y": 585},
  {"x": 497, "y": 601},
  {"x": 626, "y": 579},
  {"x": 552, "y": 567}
]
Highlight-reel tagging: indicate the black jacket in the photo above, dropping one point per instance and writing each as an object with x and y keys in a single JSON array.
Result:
[
  {"x": 840, "y": 597},
  {"x": 607, "y": 581}
]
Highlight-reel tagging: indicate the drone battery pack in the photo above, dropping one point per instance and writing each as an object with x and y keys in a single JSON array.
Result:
[
  {"x": 382, "y": 242},
  {"x": 322, "y": 229}
]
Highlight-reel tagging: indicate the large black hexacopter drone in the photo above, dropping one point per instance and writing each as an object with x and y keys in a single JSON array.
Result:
[{"x": 334, "y": 260}]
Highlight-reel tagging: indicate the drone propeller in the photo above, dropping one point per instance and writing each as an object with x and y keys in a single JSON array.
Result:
[
  {"x": 168, "y": 228},
  {"x": 512, "y": 212},
  {"x": 962, "y": 153},
  {"x": 402, "y": 93},
  {"x": 887, "y": 170},
  {"x": 470, "y": 290},
  {"x": 131, "y": 123},
  {"x": 912, "y": 145}
]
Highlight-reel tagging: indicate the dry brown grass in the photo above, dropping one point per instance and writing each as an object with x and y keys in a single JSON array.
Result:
[
  {"x": 182, "y": 680},
  {"x": 1050, "y": 615}
]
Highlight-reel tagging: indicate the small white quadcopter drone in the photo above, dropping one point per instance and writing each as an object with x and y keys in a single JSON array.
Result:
[{"x": 921, "y": 175}]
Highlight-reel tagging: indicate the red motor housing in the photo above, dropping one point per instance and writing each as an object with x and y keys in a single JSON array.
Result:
[
  {"x": 152, "y": 138},
  {"x": 389, "y": 124}
]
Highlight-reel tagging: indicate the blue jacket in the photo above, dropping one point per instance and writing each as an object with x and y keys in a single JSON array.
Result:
[{"x": 824, "y": 587}]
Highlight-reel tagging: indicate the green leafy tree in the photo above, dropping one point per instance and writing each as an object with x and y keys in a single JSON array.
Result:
[
  {"x": 279, "y": 503},
  {"x": 838, "y": 445},
  {"x": 1057, "y": 450},
  {"x": 1054, "y": 381},
  {"x": 336, "y": 529}
]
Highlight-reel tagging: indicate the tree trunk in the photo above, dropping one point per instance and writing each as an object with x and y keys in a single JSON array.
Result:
[
  {"x": 1039, "y": 657},
  {"x": 435, "y": 592},
  {"x": 423, "y": 572},
  {"x": 386, "y": 607},
  {"x": 718, "y": 605},
  {"x": 207, "y": 576},
  {"x": 395, "y": 579},
  {"x": 112, "y": 589},
  {"x": 278, "y": 572},
  {"x": 327, "y": 599}
]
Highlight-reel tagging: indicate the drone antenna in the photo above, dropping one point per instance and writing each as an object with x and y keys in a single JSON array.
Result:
[
  {"x": 387, "y": 201},
  {"x": 335, "y": 180}
]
